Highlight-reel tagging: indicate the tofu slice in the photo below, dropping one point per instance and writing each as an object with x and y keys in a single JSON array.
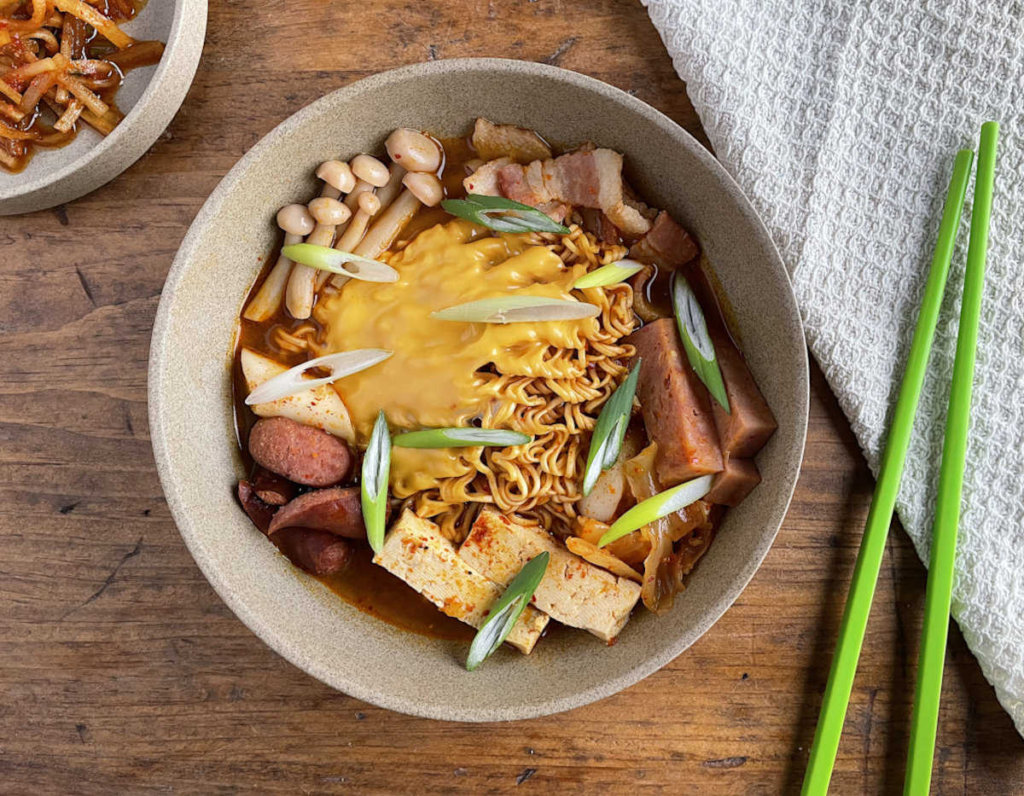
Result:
[
  {"x": 572, "y": 591},
  {"x": 416, "y": 552}
]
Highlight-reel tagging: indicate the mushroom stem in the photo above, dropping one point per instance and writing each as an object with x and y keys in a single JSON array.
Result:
[
  {"x": 392, "y": 188},
  {"x": 268, "y": 298},
  {"x": 387, "y": 226},
  {"x": 301, "y": 291}
]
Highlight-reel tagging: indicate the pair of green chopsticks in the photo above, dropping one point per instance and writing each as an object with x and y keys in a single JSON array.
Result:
[{"x": 951, "y": 476}]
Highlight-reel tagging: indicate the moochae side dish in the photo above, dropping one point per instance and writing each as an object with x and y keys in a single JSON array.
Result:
[
  {"x": 61, "y": 64},
  {"x": 483, "y": 381}
]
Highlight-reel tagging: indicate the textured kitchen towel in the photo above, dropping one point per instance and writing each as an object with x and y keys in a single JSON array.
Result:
[{"x": 840, "y": 120}]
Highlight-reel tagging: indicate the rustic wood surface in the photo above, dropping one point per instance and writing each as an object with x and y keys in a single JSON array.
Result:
[{"x": 121, "y": 670}]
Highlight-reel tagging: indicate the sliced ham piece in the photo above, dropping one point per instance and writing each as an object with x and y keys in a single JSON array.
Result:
[
  {"x": 508, "y": 141},
  {"x": 676, "y": 406},
  {"x": 734, "y": 483},
  {"x": 666, "y": 244}
]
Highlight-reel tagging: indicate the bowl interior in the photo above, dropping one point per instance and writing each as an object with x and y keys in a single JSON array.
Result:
[
  {"x": 191, "y": 408},
  {"x": 153, "y": 22}
]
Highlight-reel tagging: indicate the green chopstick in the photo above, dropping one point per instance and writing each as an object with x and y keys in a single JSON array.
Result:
[
  {"x": 869, "y": 559},
  {"x": 951, "y": 482}
]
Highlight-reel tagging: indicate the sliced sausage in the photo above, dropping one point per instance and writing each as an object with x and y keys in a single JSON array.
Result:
[
  {"x": 337, "y": 511},
  {"x": 734, "y": 483},
  {"x": 316, "y": 552},
  {"x": 272, "y": 488},
  {"x": 300, "y": 453},
  {"x": 260, "y": 512},
  {"x": 676, "y": 406}
]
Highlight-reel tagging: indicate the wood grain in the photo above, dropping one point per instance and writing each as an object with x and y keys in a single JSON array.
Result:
[{"x": 121, "y": 670}]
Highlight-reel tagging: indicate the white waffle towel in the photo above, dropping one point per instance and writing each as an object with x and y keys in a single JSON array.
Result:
[{"x": 840, "y": 120}]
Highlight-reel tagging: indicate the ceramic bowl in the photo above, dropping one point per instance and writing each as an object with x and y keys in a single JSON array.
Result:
[
  {"x": 190, "y": 399},
  {"x": 149, "y": 98}
]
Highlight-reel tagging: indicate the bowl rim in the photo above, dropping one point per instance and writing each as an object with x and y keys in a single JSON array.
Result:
[
  {"x": 337, "y": 679},
  {"x": 170, "y": 82}
]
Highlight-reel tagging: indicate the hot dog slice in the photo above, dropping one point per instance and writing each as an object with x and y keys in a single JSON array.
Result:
[
  {"x": 336, "y": 511},
  {"x": 300, "y": 453}
]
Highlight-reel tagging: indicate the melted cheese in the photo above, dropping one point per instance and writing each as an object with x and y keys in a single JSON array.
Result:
[{"x": 433, "y": 379}]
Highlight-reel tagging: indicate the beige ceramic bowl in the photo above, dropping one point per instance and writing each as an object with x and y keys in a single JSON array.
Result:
[
  {"x": 190, "y": 401},
  {"x": 149, "y": 98}
]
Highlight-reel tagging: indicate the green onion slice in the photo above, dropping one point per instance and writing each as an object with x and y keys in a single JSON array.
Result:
[
  {"x": 325, "y": 258},
  {"x": 501, "y": 214},
  {"x": 518, "y": 309},
  {"x": 654, "y": 508},
  {"x": 293, "y": 381},
  {"x": 373, "y": 485},
  {"x": 609, "y": 274},
  {"x": 506, "y": 611},
  {"x": 460, "y": 438},
  {"x": 696, "y": 341},
  {"x": 610, "y": 430}
]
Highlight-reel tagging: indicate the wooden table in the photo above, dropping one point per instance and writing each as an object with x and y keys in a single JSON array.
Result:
[{"x": 122, "y": 671}]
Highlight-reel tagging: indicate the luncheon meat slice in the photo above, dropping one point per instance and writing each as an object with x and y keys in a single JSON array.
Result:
[
  {"x": 336, "y": 511},
  {"x": 416, "y": 552},
  {"x": 676, "y": 406},
  {"x": 745, "y": 429},
  {"x": 666, "y": 244},
  {"x": 572, "y": 591},
  {"x": 508, "y": 141},
  {"x": 316, "y": 552},
  {"x": 484, "y": 181},
  {"x": 734, "y": 483},
  {"x": 300, "y": 453}
]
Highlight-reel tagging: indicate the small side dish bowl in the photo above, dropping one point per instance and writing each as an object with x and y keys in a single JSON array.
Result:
[
  {"x": 149, "y": 97},
  {"x": 191, "y": 409}
]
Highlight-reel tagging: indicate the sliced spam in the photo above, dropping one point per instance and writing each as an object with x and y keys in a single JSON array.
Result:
[
  {"x": 573, "y": 592},
  {"x": 417, "y": 553},
  {"x": 745, "y": 429},
  {"x": 731, "y": 486},
  {"x": 676, "y": 406}
]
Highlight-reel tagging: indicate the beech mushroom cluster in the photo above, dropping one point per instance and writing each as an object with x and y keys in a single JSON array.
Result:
[{"x": 362, "y": 207}]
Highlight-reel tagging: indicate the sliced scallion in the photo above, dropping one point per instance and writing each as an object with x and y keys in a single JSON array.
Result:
[
  {"x": 693, "y": 330},
  {"x": 654, "y": 508},
  {"x": 460, "y": 438},
  {"x": 506, "y": 611},
  {"x": 609, "y": 274},
  {"x": 501, "y": 214},
  {"x": 610, "y": 430},
  {"x": 293, "y": 381},
  {"x": 373, "y": 485},
  {"x": 517, "y": 309},
  {"x": 326, "y": 258}
]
